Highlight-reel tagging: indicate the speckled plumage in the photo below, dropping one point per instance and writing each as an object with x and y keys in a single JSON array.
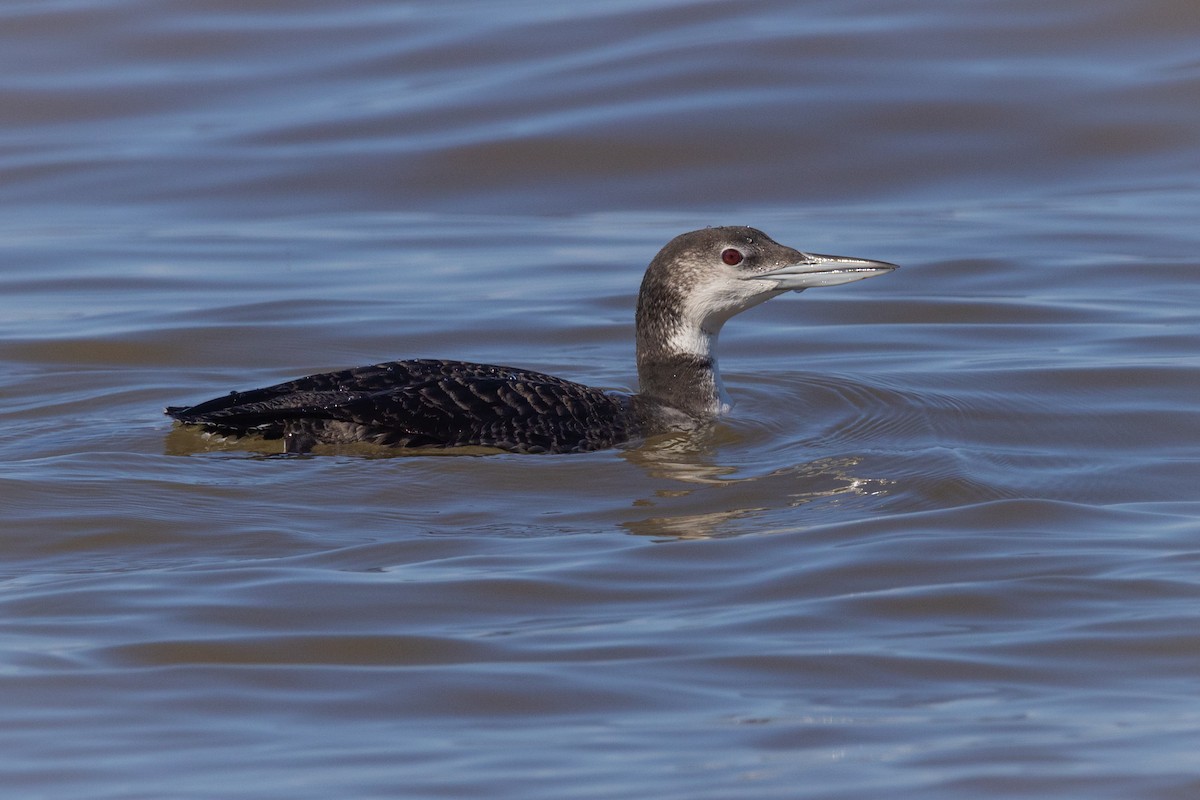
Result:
[
  {"x": 425, "y": 403},
  {"x": 695, "y": 283}
]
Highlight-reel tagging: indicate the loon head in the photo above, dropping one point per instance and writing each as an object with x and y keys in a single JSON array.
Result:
[{"x": 702, "y": 278}]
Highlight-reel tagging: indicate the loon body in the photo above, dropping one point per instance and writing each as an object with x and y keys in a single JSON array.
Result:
[{"x": 695, "y": 283}]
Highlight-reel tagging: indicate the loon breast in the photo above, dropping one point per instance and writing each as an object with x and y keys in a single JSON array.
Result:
[{"x": 694, "y": 284}]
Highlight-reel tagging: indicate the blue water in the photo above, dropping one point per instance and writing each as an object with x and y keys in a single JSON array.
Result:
[{"x": 946, "y": 545}]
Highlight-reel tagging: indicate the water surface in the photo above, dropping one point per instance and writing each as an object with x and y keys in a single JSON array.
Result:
[{"x": 946, "y": 546}]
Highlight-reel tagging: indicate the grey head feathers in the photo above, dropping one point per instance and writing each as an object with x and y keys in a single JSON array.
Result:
[{"x": 696, "y": 283}]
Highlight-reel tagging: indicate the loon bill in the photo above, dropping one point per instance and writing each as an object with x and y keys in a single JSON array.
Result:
[{"x": 694, "y": 284}]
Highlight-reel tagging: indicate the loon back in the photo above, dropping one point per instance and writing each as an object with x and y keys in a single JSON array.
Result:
[
  {"x": 695, "y": 283},
  {"x": 423, "y": 403}
]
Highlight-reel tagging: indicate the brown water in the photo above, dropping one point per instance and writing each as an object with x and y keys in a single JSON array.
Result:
[{"x": 948, "y": 545}]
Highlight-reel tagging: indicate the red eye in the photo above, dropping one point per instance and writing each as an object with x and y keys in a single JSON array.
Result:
[{"x": 732, "y": 256}]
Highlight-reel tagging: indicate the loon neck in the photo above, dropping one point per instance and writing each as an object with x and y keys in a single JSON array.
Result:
[{"x": 677, "y": 367}]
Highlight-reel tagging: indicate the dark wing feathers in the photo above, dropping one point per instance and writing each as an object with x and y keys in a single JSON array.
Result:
[{"x": 426, "y": 403}]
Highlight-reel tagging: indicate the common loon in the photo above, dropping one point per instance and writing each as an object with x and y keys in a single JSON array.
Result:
[{"x": 694, "y": 284}]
